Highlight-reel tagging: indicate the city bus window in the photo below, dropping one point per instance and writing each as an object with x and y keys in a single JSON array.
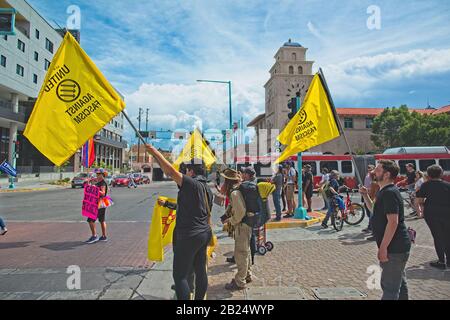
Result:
[
  {"x": 402, "y": 164},
  {"x": 313, "y": 166},
  {"x": 445, "y": 164},
  {"x": 424, "y": 164},
  {"x": 347, "y": 167},
  {"x": 330, "y": 165}
]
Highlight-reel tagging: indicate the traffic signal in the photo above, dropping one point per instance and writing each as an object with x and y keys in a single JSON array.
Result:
[{"x": 292, "y": 105}]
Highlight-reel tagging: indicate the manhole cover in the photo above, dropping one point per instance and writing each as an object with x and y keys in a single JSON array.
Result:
[
  {"x": 275, "y": 293},
  {"x": 337, "y": 293}
]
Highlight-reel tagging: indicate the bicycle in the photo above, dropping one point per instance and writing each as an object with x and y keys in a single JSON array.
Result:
[{"x": 353, "y": 213}]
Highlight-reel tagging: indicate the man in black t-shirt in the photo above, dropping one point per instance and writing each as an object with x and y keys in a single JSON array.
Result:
[
  {"x": 308, "y": 186},
  {"x": 410, "y": 179},
  {"x": 390, "y": 232},
  {"x": 192, "y": 232},
  {"x": 434, "y": 199}
]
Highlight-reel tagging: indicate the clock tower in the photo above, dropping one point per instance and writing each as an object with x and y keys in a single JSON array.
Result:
[{"x": 290, "y": 74}]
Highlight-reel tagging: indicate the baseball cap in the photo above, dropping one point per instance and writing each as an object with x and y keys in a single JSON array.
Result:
[{"x": 249, "y": 170}]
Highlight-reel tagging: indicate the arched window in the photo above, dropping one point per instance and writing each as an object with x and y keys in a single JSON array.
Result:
[
  {"x": 291, "y": 70},
  {"x": 294, "y": 56},
  {"x": 300, "y": 70}
]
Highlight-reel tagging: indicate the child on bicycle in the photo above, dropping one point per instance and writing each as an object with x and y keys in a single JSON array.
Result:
[{"x": 331, "y": 189}]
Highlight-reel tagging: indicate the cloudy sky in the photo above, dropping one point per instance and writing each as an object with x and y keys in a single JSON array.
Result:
[{"x": 154, "y": 51}]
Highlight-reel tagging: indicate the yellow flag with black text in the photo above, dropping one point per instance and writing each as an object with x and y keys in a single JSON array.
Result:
[
  {"x": 314, "y": 124},
  {"x": 196, "y": 148},
  {"x": 75, "y": 102}
]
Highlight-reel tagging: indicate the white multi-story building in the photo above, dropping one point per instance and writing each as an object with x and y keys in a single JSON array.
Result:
[{"x": 24, "y": 60}]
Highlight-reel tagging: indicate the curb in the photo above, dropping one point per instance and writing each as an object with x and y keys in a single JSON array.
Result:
[{"x": 24, "y": 190}]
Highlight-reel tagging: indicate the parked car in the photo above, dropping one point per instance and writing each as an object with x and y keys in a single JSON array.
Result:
[
  {"x": 120, "y": 181},
  {"x": 146, "y": 179},
  {"x": 81, "y": 180},
  {"x": 138, "y": 178}
]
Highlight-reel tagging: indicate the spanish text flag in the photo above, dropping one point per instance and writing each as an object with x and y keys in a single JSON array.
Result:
[
  {"x": 75, "y": 102},
  {"x": 314, "y": 124},
  {"x": 196, "y": 148},
  {"x": 161, "y": 230}
]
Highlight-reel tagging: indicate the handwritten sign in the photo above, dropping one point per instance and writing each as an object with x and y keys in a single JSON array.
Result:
[{"x": 90, "y": 202}]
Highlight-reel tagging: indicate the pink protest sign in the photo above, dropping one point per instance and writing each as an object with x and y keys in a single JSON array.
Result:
[{"x": 90, "y": 202}]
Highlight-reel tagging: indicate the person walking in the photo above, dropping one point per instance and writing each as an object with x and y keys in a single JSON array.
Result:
[
  {"x": 331, "y": 190},
  {"x": 434, "y": 200},
  {"x": 420, "y": 179},
  {"x": 236, "y": 214},
  {"x": 368, "y": 182},
  {"x": 101, "y": 183},
  {"x": 192, "y": 232},
  {"x": 323, "y": 181},
  {"x": 3, "y": 228},
  {"x": 277, "y": 180},
  {"x": 389, "y": 229}
]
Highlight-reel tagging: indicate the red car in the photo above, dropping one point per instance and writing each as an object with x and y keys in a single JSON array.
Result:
[
  {"x": 138, "y": 178},
  {"x": 120, "y": 180},
  {"x": 81, "y": 180}
]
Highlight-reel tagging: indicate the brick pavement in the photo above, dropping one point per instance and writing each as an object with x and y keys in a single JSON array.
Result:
[{"x": 339, "y": 262}]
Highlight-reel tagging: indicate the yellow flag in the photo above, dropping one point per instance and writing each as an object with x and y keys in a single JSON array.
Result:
[
  {"x": 196, "y": 148},
  {"x": 75, "y": 102},
  {"x": 314, "y": 124},
  {"x": 161, "y": 230}
]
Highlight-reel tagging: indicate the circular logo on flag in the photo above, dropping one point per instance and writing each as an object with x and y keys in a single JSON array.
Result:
[
  {"x": 303, "y": 117},
  {"x": 68, "y": 90}
]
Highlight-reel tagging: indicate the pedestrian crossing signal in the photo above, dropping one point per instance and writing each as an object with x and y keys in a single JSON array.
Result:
[{"x": 292, "y": 105}]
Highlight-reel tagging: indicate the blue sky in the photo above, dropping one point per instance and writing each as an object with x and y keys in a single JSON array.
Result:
[{"x": 153, "y": 52}]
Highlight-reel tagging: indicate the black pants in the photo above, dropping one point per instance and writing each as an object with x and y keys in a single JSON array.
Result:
[
  {"x": 190, "y": 255},
  {"x": 440, "y": 230}
]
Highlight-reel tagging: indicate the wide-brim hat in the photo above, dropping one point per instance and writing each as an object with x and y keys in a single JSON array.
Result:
[{"x": 230, "y": 174}]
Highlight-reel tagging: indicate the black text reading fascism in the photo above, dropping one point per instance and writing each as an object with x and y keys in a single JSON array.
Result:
[
  {"x": 81, "y": 109},
  {"x": 304, "y": 131}
]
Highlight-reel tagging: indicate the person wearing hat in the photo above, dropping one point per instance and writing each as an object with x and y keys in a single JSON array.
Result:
[
  {"x": 192, "y": 232},
  {"x": 236, "y": 212},
  {"x": 101, "y": 183}
]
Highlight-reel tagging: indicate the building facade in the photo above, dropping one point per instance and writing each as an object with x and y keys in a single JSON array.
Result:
[
  {"x": 25, "y": 58},
  {"x": 292, "y": 73}
]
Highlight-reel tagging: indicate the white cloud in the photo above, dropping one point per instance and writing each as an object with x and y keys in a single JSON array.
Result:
[
  {"x": 314, "y": 31},
  {"x": 357, "y": 76}
]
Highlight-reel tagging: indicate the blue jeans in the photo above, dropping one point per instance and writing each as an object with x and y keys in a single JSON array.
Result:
[
  {"x": 393, "y": 277},
  {"x": 2, "y": 224},
  {"x": 331, "y": 205},
  {"x": 276, "y": 202}
]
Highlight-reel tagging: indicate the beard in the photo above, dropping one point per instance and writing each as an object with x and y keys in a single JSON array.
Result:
[{"x": 377, "y": 178}]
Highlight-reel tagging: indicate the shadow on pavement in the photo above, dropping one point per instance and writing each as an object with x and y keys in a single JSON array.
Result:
[
  {"x": 15, "y": 245},
  {"x": 63, "y": 246},
  {"x": 425, "y": 272},
  {"x": 221, "y": 269}
]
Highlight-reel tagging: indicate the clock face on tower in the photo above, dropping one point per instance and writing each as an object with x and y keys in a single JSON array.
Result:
[{"x": 294, "y": 87}]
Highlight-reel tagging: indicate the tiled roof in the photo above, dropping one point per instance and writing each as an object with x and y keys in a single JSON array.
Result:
[{"x": 445, "y": 109}]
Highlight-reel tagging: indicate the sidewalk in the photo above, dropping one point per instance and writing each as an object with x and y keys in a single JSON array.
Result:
[{"x": 30, "y": 187}]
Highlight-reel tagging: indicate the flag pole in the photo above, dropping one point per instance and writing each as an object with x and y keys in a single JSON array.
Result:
[
  {"x": 134, "y": 128},
  {"x": 338, "y": 121}
]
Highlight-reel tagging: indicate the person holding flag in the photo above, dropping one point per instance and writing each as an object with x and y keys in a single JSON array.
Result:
[{"x": 192, "y": 232}]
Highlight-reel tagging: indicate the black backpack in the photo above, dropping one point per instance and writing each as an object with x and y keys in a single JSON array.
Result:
[{"x": 255, "y": 205}]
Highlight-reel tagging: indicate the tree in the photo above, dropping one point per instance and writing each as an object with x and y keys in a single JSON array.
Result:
[{"x": 398, "y": 127}]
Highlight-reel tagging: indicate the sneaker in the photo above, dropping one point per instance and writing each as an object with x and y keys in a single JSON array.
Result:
[
  {"x": 288, "y": 216},
  {"x": 92, "y": 240},
  {"x": 103, "y": 239},
  {"x": 249, "y": 279},
  {"x": 438, "y": 265},
  {"x": 324, "y": 226},
  {"x": 232, "y": 286},
  {"x": 4, "y": 232},
  {"x": 231, "y": 260}
]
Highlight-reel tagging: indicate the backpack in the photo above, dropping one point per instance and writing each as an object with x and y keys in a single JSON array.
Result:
[{"x": 253, "y": 200}]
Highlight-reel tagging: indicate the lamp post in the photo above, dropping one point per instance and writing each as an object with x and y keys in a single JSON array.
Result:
[{"x": 229, "y": 105}]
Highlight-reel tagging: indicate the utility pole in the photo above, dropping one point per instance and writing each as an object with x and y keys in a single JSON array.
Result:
[
  {"x": 139, "y": 141},
  {"x": 146, "y": 139}
]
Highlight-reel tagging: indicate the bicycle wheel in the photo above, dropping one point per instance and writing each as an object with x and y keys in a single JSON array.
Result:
[
  {"x": 336, "y": 220},
  {"x": 355, "y": 214}
]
